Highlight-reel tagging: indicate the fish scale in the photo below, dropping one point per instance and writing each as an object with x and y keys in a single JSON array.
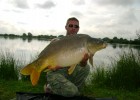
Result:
[{"x": 65, "y": 52}]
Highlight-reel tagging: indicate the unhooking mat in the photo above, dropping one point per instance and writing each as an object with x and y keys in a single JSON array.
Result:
[{"x": 44, "y": 96}]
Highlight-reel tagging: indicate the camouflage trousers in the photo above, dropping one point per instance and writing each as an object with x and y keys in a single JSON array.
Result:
[{"x": 62, "y": 83}]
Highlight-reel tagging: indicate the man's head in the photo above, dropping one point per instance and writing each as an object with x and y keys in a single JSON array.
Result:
[{"x": 72, "y": 26}]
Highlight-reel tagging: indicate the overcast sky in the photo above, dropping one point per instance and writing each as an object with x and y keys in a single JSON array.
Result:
[{"x": 98, "y": 18}]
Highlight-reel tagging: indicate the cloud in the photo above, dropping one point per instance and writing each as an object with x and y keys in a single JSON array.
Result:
[
  {"x": 127, "y": 17},
  {"x": 17, "y": 11},
  {"x": 47, "y": 4},
  {"x": 119, "y": 20},
  {"x": 79, "y": 2},
  {"x": 22, "y": 23},
  {"x": 113, "y": 18},
  {"x": 102, "y": 18},
  {"x": 116, "y": 2},
  {"x": 21, "y": 4},
  {"x": 6, "y": 27},
  {"x": 3, "y": 25},
  {"x": 76, "y": 14}
]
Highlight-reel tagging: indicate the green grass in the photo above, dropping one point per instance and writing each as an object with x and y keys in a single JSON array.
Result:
[
  {"x": 8, "y": 90},
  {"x": 123, "y": 73},
  {"x": 8, "y": 67},
  {"x": 120, "y": 94},
  {"x": 121, "y": 80}
]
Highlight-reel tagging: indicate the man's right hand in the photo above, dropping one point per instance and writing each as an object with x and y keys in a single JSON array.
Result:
[{"x": 83, "y": 63}]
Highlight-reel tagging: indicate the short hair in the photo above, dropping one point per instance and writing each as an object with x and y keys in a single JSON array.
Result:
[{"x": 72, "y": 18}]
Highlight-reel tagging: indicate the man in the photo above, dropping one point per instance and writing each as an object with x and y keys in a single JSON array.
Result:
[{"x": 59, "y": 81}]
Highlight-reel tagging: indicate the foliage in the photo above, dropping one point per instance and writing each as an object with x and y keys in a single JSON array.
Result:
[
  {"x": 122, "y": 41},
  {"x": 116, "y": 82},
  {"x": 122, "y": 74},
  {"x": 8, "y": 67},
  {"x": 29, "y": 37},
  {"x": 138, "y": 34}
]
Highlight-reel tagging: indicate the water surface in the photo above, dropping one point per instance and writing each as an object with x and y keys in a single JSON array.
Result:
[{"x": 25, "y": 50}]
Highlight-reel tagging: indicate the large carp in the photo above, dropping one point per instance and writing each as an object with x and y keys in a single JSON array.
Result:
[{"x": 65, "y": 52}]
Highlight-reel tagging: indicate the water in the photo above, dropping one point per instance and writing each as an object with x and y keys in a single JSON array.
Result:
[{"x": 25, "y": 50}]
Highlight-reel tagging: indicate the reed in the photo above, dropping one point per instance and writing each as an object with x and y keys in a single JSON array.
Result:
[
  {"x": 123, "y": 73},
  {"x": 8, "y": 66}
]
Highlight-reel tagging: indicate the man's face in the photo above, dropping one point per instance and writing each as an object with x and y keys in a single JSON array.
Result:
[{"x": 72, "y": 27}]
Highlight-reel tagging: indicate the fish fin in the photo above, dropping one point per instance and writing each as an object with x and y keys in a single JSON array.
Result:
[
  {"x": 34, "y": 77},
  {"x": 91, "y": 61},
  {"x": 31, "y": 69},
  {"x": 27, "y": 70},
  {"x": 71, "y": 69}
]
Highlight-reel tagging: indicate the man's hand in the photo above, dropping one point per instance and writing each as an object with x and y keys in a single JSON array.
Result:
[{"x": 83, "y": 63}]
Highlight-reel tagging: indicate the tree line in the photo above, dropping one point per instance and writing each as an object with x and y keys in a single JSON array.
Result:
[{"x": 29, "y": 36}]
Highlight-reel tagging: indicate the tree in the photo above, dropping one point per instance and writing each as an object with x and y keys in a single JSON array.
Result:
[
  {"x": 138, "y": 34},
  {"x": 115, "y": 40},
  {"x": 24, "y": 35},
  {"x": 30, "y": 35},
  {"x": 61, "y": 36}
]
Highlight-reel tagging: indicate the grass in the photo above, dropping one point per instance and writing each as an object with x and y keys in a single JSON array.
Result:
[
  {"x": 8, "y": 67},
  {"x": 120, "y": 94},
  {"x": 122, "y": 74},
  {"x": 121, "y": 80},
  {"x": 8, "y": 90}
]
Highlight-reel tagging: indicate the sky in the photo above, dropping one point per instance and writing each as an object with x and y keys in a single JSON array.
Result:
[{"x": 98, "y": 18}]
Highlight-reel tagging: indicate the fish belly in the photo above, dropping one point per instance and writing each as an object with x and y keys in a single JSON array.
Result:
[{"x": 70, "y": 57}]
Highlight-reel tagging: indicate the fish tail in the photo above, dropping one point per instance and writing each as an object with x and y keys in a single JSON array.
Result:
[
  {"x": 32, "y": 71},
  {"x": 27, "y": 70},
  {"x": 34, "y": 77}
]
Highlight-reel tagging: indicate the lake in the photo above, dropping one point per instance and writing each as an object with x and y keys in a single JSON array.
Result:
[{"x": 25, "y": 50}]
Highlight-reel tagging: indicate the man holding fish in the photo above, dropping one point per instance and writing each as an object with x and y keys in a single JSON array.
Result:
[
  {"x": 65, "y": 61},
  {"x": 59, "y": 82}
]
